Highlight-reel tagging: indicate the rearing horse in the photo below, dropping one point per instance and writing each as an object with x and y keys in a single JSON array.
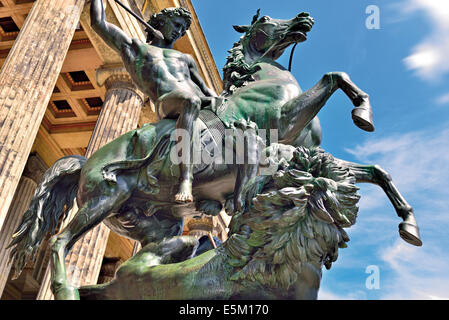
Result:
[{"x": 130, "y": 182}]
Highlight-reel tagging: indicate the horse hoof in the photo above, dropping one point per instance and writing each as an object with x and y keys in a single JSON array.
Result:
[
  {"x": 410, "y": 233},
  {"x": 363, "y": 118}
]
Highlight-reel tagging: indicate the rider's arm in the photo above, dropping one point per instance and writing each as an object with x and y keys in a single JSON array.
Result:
[
  {"x": 196, "y": 78},
  {"x": 111, "y": 34}
]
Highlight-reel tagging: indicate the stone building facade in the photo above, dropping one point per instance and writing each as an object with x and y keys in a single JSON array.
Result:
[{"x": 63, "y": 91}]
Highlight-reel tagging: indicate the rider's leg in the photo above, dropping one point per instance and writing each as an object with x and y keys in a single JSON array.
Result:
[
  {"x": 186, "y": 107},
  {"x": 249, "y": 169},
  {"x": 186, "y": 120}
]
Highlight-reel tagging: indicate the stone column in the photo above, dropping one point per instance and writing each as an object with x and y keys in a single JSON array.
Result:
[
  {"x": 136, "y": 248},
  {"x": 120, "y": 114},
  {"x": 32, "y": 174},
  {"x": 27, "y": 79}
]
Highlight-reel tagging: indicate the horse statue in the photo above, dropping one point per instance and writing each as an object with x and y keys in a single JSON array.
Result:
[{"x": 130, "y": 183}]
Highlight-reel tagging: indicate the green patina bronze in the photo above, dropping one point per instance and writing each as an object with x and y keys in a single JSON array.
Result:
[
  {"x": 279, "y": 240},
  {"x": 293, "y": 226}
]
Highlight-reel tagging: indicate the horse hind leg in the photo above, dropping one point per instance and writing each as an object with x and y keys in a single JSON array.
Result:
[
  {"x": 408, "y": 228},
  {"x": 93, "y": 212}
]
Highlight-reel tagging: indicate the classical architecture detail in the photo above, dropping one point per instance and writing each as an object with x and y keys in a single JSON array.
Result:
[
  {"x": 56, "y": 81},
  {"x": 117, "y": 77},
  {"x": 34, "y": 170},
  {"x": 108, "y": 269},
  {"x": 205, "y": 225},
  {"x": 199, "y": 227},
  {"x": 121, "y": 109},
  {"x": 120, "y": 114},
  {"x": 27, "y": 80}
]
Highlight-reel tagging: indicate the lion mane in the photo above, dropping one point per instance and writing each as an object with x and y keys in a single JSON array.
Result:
[{"x": 296, "y": 220}]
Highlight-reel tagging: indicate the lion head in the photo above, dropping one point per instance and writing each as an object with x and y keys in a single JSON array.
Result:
[{"x": 296, "y": 218}]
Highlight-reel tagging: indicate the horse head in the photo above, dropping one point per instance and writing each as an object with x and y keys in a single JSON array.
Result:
[
  {"x": 264, "y": 39},
  {"x": 270, "y": 37}
]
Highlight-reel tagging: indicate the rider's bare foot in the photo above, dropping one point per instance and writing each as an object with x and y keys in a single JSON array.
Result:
[{"x": 185, "y": 192}]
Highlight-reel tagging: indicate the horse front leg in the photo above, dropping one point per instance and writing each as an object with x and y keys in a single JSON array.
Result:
[
  {"x": 408, "y": 228},
  {"x": 297, "y": 113},
  {"x": 362, "y": 114}
]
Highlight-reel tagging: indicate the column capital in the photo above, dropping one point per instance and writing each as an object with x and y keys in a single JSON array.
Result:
[
  {"x": 117, "y": 78},
  {"x": 200, "y": 226},
  {"x": 35, "y": 168}
]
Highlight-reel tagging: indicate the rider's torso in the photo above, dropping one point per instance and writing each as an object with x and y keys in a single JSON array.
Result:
[{"x": 158, "y": 71}]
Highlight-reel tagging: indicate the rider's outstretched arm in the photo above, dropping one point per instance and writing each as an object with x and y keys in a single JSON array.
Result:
[{"x": 111, "y": 34}]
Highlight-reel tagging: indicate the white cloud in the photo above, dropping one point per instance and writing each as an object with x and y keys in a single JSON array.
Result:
[
  {"x": 326, "y": 295},
  {"x": 418, "y": 162},
  {"x": 419, "y": 274},
  {"x": 444, "y": 99},
  {"x": 429, "y": 58}
]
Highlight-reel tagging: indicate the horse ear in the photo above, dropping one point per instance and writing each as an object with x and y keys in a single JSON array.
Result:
[
  {"x": 241, "y": 29},
  {"x": 256, "y": 16}
]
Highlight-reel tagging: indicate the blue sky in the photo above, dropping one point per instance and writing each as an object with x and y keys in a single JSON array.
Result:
[{"x": 404, "y": 66}]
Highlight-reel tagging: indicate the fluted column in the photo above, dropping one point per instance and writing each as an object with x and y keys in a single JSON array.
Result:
[
  {"x": 27, "y": 79},
  {"x": 120, "y": 114},
  {"x": 33, "y": 172}
]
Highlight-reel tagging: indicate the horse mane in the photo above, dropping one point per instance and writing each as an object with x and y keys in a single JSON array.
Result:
[
  {"x": 296, "y": 221},
  {"x": 237, "y": 72}
]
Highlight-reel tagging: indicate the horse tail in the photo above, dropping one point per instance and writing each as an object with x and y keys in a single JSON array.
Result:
[{"x": 55, "y": 192}]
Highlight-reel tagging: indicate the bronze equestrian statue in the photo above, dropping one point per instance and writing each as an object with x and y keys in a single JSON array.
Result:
[{"x": 130, "y": 184}]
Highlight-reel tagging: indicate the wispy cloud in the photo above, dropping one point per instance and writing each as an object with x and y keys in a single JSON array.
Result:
[
  {"x": 429, "y": 58},
  {"x": 418, "y": 162},
  {"x": 327, "y": 295},
  {"x": 444, "y": 99},
  {"x": 419, "y": 274}
]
